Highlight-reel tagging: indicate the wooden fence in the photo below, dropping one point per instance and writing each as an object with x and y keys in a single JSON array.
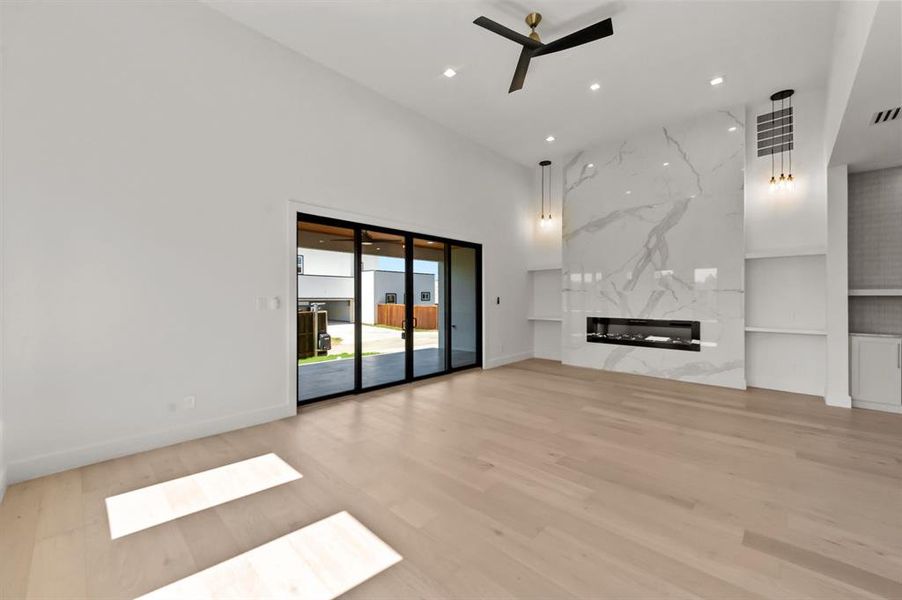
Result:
[{"x": 425, "y": 315}]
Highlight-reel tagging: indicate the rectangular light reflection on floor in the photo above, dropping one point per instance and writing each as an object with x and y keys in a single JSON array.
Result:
[
  {"x": 318, "y": 562},
  {"x": 156, "y": 504}
]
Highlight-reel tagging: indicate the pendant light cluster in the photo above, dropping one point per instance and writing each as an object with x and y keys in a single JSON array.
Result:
[
  {"x": 545, "y": 220},
  {"x": 785, "y": 182}
]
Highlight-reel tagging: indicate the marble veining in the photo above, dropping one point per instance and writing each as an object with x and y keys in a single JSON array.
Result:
[{"x": 653, "y": 228}]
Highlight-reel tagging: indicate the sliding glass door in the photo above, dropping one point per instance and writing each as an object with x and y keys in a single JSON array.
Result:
[
  {"x": 378, "y": 307},
  {"x": 465, "y": 324},
  {"x": 429, "y": 330},
  {"x": 326, "y": 324},
  {"x": 383, "y": 293}
]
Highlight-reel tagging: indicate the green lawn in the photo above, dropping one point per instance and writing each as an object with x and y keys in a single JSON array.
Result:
[{"x": 316, "y": 359}]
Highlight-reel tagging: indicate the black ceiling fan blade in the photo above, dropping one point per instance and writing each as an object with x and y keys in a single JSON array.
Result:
[
  {"x": 510, "y": 34},
  {"x": 520, "y": 71},
  {"x": 591, "y": 33}
]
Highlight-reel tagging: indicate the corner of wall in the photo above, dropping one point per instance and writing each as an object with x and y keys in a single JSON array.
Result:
[
  {"x": 500, "y": 361},
  {"x": 72, "y": 458},
  {"x": 837, "y": 289},
  {"x": 839, "y": 401}
]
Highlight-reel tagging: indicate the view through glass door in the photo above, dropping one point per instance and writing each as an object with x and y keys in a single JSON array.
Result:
[
  {"x": 383, "y": 293},
  {"x": 378, "y": 307},
  {"x": 429, "y": 272},
  {"x": 326, "y": 331}
]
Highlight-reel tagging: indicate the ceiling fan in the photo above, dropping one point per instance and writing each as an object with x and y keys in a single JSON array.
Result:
[{"x": 533, "y": 46}]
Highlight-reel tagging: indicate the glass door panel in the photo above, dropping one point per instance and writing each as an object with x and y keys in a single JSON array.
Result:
[
  {"x": 325, "y": 305},
  {"x": 383, "y": 314},
  {"x": 464, "y": 306},
  {"x": 428, "y": 307}
]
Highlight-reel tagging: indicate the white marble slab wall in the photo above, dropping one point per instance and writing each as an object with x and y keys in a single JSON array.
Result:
[{"x": 653, "y": 228}]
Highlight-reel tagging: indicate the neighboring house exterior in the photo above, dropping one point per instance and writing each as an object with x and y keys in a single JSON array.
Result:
[{"x": 328, "y": 277}]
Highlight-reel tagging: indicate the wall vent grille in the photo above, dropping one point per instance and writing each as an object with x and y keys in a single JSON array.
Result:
[
  {"x": 885, "y": 116},
  {"x": 775, "y": 132}
]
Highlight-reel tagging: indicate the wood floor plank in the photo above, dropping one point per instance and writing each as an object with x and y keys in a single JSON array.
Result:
[
  {"x": 835, "y": 569},
  {"x": 534, "y": 480}
]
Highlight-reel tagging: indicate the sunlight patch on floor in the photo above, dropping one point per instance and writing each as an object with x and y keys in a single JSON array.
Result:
[
  {"x": 318, "y": 562},
  {"x": 162, "y": 502}
]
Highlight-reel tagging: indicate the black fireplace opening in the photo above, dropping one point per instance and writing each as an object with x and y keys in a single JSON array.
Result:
[{"x": 652, "y": 333}]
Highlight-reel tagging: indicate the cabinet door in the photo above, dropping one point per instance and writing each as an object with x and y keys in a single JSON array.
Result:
[{"x": 877, "y": 370}]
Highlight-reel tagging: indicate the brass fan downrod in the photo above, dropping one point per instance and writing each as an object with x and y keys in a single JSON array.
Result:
[{"x": 532, "y": 20}]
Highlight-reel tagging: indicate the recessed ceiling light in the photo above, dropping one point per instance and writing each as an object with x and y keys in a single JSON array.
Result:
[
  {"x": 549, "y": 139},
  {"x": 449, "y": 73},
  {"x": 429, "y": 242},
  {"x": 595, "y": 87},
  {"x": 717, "y": 81},
  {"x": 733, "y": 128},
  {"x": 629, "y": 192},
  {"x": 590, "y": 166},
  {"x": 667, "y": 164}
]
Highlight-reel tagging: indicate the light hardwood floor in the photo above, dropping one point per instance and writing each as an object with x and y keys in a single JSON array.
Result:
[{"x": 533, "y": 480}]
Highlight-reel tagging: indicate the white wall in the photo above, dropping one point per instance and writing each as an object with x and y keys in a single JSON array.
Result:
[
  {"x": 327, "y": 262},
  {"x": 796, "y": 220},
  {"x": 853, "y": 26},
  {"x": 787, "y": 292},
  {"x": 150, "y": 154},
  {"x": 2, "y": 255},
  {"x": 837, "y": 384},
  {"x": 321, "y": 287}
]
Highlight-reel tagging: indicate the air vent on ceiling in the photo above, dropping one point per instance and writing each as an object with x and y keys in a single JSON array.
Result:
[
  {"x": 775, "y": 132},
  {"x": 885, "y": 116}
]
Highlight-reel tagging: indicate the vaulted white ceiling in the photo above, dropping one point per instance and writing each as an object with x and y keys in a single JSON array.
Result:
[{"x": 654, "y": 69}]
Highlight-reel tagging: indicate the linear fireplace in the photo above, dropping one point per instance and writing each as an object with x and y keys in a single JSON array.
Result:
[{"x": 652, "y": 333}]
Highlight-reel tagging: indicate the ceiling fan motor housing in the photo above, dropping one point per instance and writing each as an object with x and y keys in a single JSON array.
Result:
[{"x": 532, "y": 20}]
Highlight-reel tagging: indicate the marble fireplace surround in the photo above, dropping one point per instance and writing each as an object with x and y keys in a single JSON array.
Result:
[{"x": 653, "y": 228}]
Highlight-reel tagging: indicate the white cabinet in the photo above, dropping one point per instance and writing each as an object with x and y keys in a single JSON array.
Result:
[{"x": 876, "y": 368}]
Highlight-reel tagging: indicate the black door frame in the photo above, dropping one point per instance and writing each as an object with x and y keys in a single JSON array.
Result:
[{"x": 409, "y": 377}]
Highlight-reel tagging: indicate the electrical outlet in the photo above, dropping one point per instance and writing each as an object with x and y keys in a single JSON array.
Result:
[{"x": 186, "y": 403}]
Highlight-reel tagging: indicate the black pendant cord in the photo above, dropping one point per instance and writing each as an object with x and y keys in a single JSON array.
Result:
[
  {"x": 790, "y": 145},
  {"x": 543, "y": 191},
  {"x": 772, "y": 110},
  {"x": 549, "y": 195},
  {"x": 782, "y": 138}
]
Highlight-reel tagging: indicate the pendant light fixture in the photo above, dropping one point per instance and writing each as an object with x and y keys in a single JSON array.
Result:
[
  {"x": 545, "y": 220},
  {"x": 784, "y": 182}
]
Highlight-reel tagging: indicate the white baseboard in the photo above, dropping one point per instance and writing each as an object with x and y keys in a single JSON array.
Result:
[
  {"x": 890, "y": 408},
  {"x": 54, "y": 462},
  {"x": 840, "y": 400},
  {"x": 500, "y": 361},
  {"x": 2, "y": 483}
]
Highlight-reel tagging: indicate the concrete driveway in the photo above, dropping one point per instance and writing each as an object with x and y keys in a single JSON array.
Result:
[{"x": 378, "y": 339}]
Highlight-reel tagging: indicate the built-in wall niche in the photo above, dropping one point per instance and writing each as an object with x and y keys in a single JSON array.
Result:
[
  {"x": 786, "y": 293},
  {"x": 875, "y": 252},
  {"x": 545, "y": 311},
  {"x": 786, "y": 320},
  {"x": 875, "y": 289}
]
